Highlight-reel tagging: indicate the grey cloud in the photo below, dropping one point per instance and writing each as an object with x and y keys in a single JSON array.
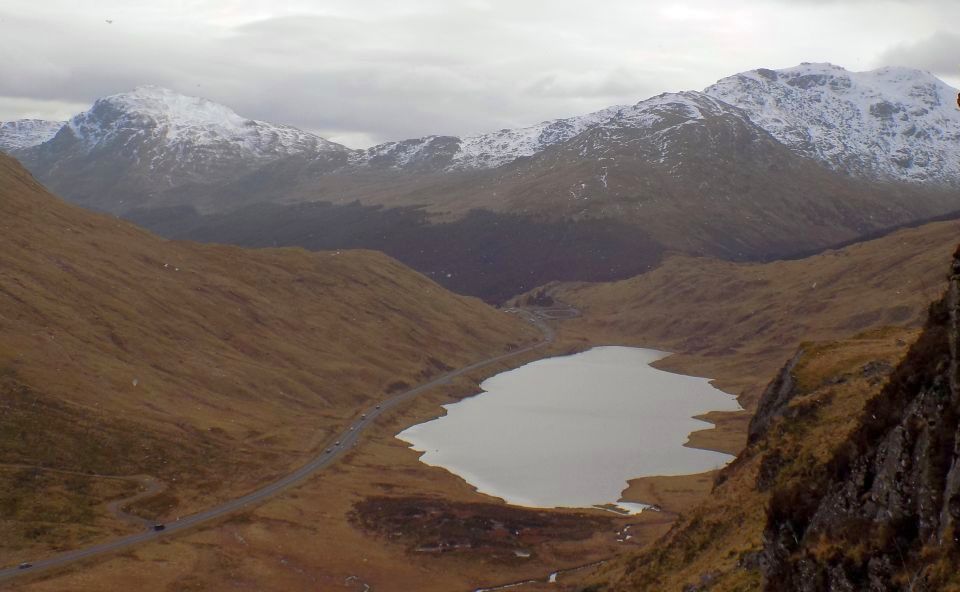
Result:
[
  {"x": 939, "y": 54},
  {"x": 407, "y": 76},
  {"x": 395, "y": 70},
  {"x": 79, "y": 61},
  {"x": 607, "y": 83}
]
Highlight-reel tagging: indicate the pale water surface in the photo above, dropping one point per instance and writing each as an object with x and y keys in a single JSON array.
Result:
[{"x": 569, "y": 431}]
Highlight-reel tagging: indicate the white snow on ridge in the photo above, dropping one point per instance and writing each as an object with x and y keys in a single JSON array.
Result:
[
  {"x": 668, "y": 108},
  {"x": 404, "y": 152},
  {"x": 650, "y": 127},
  {"x": 179, "y": 121},
  {"x": 24, "y": 133},
  {"x": 895, "y": 123},
  {"x": 889, "y": 123},
  {"x": 498, "y": 148},
  {"x": 483, "y": 151}
]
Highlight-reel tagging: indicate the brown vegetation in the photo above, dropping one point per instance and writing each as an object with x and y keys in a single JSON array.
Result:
[
  {"x": 214, "y": 368},
  {"x": 221, "y": 367},
  {"x": 304, "y": 539},
  {"x": 738, "y": 322},
  {"x": 883, "y": 512},
  {"x": 496, "y": 531},
  {"x": 717, "y": 545}
]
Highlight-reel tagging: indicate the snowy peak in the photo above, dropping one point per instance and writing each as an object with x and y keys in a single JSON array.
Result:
[
  {"x": 892, "y": 123},
  {"x": 132, "y": 146},
  {"x": 503, "y": 146},
  {"x": 186, "y": 122},
  {"x": 491, "y": 150},
  {"x": 481, "y": 151},
  {"x": 669, "y": 109},
  {"x": 24, "y": 133},
  {"x": 674, "y": 131}
]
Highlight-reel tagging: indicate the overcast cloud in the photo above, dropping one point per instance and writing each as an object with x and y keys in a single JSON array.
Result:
[{"x": 364, "y": 71}]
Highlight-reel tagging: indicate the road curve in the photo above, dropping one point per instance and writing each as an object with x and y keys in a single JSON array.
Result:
[
  {"x": 150, "y": 486},
  {"x": 319, "y": 462}
]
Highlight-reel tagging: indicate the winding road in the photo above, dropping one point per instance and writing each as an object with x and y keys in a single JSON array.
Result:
[
  {"x": 346, "y": 439},
  {"x": 150, "y": 486}
]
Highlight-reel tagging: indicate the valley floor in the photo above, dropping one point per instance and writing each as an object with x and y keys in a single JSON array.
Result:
[{"x": 379, "y": 518}]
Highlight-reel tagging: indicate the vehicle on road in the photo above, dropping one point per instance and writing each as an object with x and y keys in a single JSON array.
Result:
[
  {"x": 364, "y": 416},
  {"x": 329, "y": 450},
  {"x": 337, "y": 443},
  {"x": 25, "y": 565},
  {"x": 159, "y": 527},
  {"x": 378, "y": 406}
]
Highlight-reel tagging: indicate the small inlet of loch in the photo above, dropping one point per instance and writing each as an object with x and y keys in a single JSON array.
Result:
[{"x": 570, "y": 431}]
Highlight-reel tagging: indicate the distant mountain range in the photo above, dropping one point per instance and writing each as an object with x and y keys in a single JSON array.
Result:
[
  {"x": 24, "y": 133},
  {"x": 763, "y": 164}
]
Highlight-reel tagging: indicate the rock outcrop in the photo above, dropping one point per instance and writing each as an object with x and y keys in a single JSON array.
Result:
[{"x": 884, "y": 514}]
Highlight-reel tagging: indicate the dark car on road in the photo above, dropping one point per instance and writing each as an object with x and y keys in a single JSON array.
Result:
[
  {"x": 25, "y": 565},
  {"x": 159, "y": 527}
]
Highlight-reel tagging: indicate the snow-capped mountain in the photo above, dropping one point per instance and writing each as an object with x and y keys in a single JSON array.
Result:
[
  {"x": 887, "y": 124},
  {"x": 890, "y": 123},
  {"x": 24, "y": 133},
  {"x": 153, "y": 147},
  {"x": 184, "y": 124},
  {"x": 680, "y": 161},
  {"x": 736, "y": 172},
  {"x": 134, "y": 144},
  {"x": 652, "y": 126},
  {"x": 498, "y": 148},
  {"x": 683, "y": 172},
  {"x": 481, "y": 151}
]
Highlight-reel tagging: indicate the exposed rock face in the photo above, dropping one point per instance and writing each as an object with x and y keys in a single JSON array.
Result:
[
  {"x": 884, "y": 515},
  {"x": 775, "y": 398}
]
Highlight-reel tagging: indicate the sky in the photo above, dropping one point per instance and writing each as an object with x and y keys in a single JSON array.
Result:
[{"x": 361, "y": 72}]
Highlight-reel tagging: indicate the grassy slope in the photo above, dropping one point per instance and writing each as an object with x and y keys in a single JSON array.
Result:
[
  {"x": 737, "y": 323},
  {"x": 211, "y": 367},
  {"x": 715, "y": 546}
]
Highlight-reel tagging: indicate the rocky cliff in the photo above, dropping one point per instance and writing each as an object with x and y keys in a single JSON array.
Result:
[{"x": 883, "y": 514}]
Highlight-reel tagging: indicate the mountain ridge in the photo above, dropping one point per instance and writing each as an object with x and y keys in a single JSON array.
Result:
[
  {"x": 892, "y": 122},
  {"x": 684, "y": 172},
  {"x": 763, "y": 93},
  {"x": 135, "y": 144},
  {"x": 26, "y": 133}
]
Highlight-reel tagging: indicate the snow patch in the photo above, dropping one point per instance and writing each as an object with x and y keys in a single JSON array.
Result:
[
  {"x": 183, "y": 124},
  {"x": 24, "y": 133}
]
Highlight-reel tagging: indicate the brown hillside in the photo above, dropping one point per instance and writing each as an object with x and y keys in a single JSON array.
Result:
[
  {"x": 717, "y": 546},
  {"x": 847, "y": 482},
  {"x": 738, "y": 322},
  {"x": 209, "y": 367}
]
